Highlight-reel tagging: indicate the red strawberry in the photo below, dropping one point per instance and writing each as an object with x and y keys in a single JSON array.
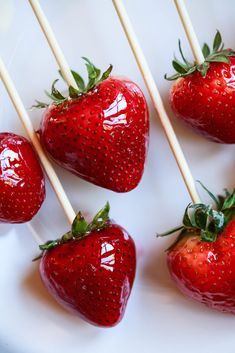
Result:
[
  {"x": 206, "y": 271},
  {"x": 204, "y": 96},
  {"x": 22, "y": 186},
  {"x": 202, "y": 260},
  {"x": 100, "y": 132},
  {"x": 90, "y": 270}
]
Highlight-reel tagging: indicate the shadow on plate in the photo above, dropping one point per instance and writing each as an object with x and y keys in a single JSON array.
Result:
[
  {"x": 155, "y": 271},
  {"x": 32, "y": 283},
  {"x": 156, "y": 274},
  {"x": 5, "y": 229}
]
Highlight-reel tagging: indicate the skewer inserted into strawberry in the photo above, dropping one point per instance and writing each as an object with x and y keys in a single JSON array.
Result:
[
  {"x": 91, "y": 269},
  {"x": 202, "y": 259},
  {"x": 22, "y": 185},
  {"x": 99, "y": 130},
  {"x": 203, "y": 96}
]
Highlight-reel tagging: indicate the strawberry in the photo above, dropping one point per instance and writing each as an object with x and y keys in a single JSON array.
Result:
[
  {"x": 100, "y": 131},
  {"x": 203, "y": 96},
  {"x": 202, "y": 260},
  {"x": 22, "y": 186},
  {"x": 91, "y": 269}
]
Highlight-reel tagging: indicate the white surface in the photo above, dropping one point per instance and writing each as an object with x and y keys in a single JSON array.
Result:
[{"x": 158, "y": 317}]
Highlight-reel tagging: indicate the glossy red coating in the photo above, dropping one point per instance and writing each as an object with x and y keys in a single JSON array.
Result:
[
  {"x": 206, "y": 271},
  {"x": 102, "y": 136},
  {"x": 93, "y": 276},
  {"x": 22, "y": 186},
  {"x": 207, "y": 104}
]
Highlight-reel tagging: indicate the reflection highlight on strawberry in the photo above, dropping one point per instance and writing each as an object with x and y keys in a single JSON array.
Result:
[
  {"x": 22, "y": 185},
  {"x": 100, "y": 130}
]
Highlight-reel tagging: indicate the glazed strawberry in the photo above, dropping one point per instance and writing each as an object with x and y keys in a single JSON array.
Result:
[
  {"x": 202, "y": 260},
  {"x": 90, "y": 270},
  {"x": 203, "y": 96},
  {"x": 100, "y": 132},
  {"x": 22, "y": 186}
]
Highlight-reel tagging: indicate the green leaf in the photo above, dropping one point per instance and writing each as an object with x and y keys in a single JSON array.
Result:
[
  {"x": 101, "y": 218},
  {"x": 91, "y": 78},
  {"x": 79, "y": 81},
  {"x": 229, "y": 201},
  {"x": 219, "y": 59},
  {"x": 178, "y": 75},
  {"x": 38, "y": 257},
  {"x": 190, "y": 71},
  {"x": 55, "y": 92},
  {"x": 231, "y": 53},
  {"x": 181, "y": 64},
  {"x": 179, "y": 67},
  {"x": 106, "y": 73},
  {"x": 66, "y": 237},
  {"x": 226, "y": 52},
  {"x": 50, "y": 244},
  {"x": 219, "y": 54},
  {"x": 174, "y": 230},
  {"x": 196, "y": 210},
  {"x": 229, "y": 214},
  {"x": 217, "y": 41},
  {"x": 182, "y": 55},
  {"x": 40, "y": 105},
  {"x": 217, "y": 220},
  {"x": 227, "y": 193},
  {"x": 73, "y": 92},
  {"x": 208, "y": 236},
  {"x": 93, "y": 74},
  {"x": 201, "y": 218},
  {"x": 203, "y": 68},
  {"x": 173, "y": 77},
  {"x": 221, "y": 202},
  {"x": 186, "y": 219},
  {"x": 94, "y": 77},
  {"x": 55, "y": 95},
  {"x": 205, "y": 221},
  {"x": 97, "y": 71},
  {"x": 52, "y": 97},
  {"x": 79, "y": 226},
  {"x": 212, "y": 196},
  {"x": 205, "y": 50}
]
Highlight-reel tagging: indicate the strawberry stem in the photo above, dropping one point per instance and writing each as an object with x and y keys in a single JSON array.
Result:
[
  {"x": 80, "y": 228},
  {"x": 94, "y": 78},
  {"x": 217, "y": 54},
  {"x": 209, "y": 222}
]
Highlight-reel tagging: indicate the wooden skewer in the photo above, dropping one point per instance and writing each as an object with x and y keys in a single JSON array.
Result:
[
  {"x": 23, "y": 115},
  {"x": 157, "y": 101},
  {"x": 35, "y": 235},
  {"x": 51, "y": 39},
  {"x": 189, "y": 30}
]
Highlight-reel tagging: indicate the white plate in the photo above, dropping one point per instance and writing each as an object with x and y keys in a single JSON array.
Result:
[{"x": 158, "y": 317}]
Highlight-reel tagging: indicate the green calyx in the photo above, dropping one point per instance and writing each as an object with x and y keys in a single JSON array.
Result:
[
  {"x": 80, "y": 229},
  {"x": 217, "y": 54},
  {"x": 207, "y": 221},
  {"x": 94, "y": 78}
]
